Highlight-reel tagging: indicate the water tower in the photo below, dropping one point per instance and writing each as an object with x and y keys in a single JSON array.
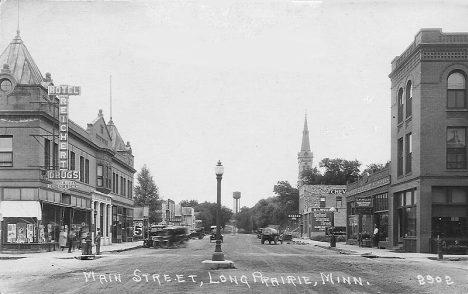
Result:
[{"x": 236, "y": 196}]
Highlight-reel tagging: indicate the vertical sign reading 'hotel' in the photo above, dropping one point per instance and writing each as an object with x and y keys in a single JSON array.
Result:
[
  {"x": 65, "y": 177},
  {"x": 63, "y": 92}
]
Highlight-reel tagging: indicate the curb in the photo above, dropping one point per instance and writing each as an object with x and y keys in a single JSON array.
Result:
[{"x": 124, "y": 249}]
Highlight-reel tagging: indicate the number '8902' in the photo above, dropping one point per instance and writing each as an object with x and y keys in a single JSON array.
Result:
[{"x": 430, "y": 280}]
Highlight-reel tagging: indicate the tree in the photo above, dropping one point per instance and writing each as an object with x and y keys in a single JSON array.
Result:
[
  {"x": 244, "y": 219},
  {"x": 147, "y": 194},
  {"x": 339, "y": 171},
  {"x": 207, "y": 214},
  {"x": 287, "y": 196},
  {"x": 189, "y": 203},
  {"x": 373, "y": 167},
  {"x": 311, "y": 176}
]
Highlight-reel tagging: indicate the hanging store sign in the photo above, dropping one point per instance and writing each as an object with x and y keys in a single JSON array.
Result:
[
  {"x": 363, "y": 202},
  {"x": 64, "y": 90},
  {"x": 63, "y": 178}
]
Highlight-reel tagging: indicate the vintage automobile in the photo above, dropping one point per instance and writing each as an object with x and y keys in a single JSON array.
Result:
[
  {"x": 287, "y": 236},
  {"x": 213, "y": 234},
  {"x": 197, "y": 233},
  {"x": 154, "y": 234},
  {"x": 259, "y": 233},
  {"x": 174, "y": 237},
  {"x": 271, "y": 234}
]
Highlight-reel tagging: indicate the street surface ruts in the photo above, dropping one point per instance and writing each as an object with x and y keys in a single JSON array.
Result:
[{"x": 282, "y": 268}]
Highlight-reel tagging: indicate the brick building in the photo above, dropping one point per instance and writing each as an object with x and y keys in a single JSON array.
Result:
[
  {"x": 47, "y": 185},
  {"x": 367, "y": 206},
  {"x": 315, "y": 202},
  {"x": 429, "y": 175}
]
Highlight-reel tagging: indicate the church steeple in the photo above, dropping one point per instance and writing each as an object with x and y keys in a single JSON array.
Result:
[
  {"x": 305, "y": 156},
  {"x": 305, "y": 137}
]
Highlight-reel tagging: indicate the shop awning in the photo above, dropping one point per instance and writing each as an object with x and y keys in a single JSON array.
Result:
[{"x": 21, "y": 209}]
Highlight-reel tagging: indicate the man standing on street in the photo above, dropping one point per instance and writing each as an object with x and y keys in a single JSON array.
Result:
[
  {"x": 376, "y": 236},
  {"x": 97, "y": 241}
]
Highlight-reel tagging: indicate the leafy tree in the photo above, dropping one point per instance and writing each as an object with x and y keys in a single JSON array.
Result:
[
  {"x": 373, "y": 167},
  {"x": 312, "y": 176},
  {"x": 208, "y": 212},
  {"x": 189, "y": 203},
  {"x": 339, "y": 171},
  {"x": 287, "y": 196},
  {"x": 147, "y": 194},
  {"x": 244, "y": 219}
]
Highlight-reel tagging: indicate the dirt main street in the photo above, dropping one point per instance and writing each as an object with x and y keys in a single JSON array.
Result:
[{"x": 282, "y": 268}]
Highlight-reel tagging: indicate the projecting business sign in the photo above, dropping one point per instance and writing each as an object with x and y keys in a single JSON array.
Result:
[
  {"x": 64, "y": 90},
  {"x": 63, "y": 178},
  {"x": 321, "y": 220}
]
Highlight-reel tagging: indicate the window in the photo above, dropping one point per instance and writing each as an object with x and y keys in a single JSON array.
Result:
[
  {"x": 408, "y": 152},
  {"x": 339, "y": 202},
  {"x": 381, "y": 202},
  {"x": 400, "y": 106},
  {"x": 122, "y": 186},
  {"x": 456, "y": 148},
  {"x": 81, "y": 168},
  {"x": 87, "y": 171},
  {"x": 400, "y": 157},
  {"x": 5, "y": 85},
  {"x": 456, "y": 91},
  {"x": 72, "y": 160},
  {"x": 6, "y": 150},
  {"x": 450, "y": 195},
  {"x": 100, "y": 177},
  {"x": 46, "y": 153},
  {"x": 130, "y": 194},
  {"x": 409, "y": 99},
  {"x": 407, "y": 213},
  {"x": 322, "y": 202},
  {"x": 55, "y": 156}
]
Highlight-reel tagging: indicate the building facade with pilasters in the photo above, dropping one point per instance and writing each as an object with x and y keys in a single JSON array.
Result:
[
  {"x": 428, "y": 198},
  {"x": 39, "y": 198}
]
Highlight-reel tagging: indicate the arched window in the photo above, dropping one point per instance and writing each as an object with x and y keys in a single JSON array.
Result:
[
  {"x": 400, "y": 105},
  {"x": 456, "y": 91},
  {"x": 409, "y": 99}
]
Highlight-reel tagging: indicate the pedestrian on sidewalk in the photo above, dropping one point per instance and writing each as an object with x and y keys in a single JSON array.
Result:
[
  {"x": 71, "y": 240},
  {"x": 97, "y": 241},
  {"x": 62, "y": 238},
  {"x": 376, "y": 236}
]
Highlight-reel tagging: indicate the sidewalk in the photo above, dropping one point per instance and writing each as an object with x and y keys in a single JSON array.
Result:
[
  {"x": 115, "y": 247},
  {"x": 376, "y": 252}
]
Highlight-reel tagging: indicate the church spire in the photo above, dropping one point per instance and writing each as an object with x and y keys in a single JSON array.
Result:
[
  {"x": 305, "y": 137},
  {"x": 305, "y": 156}
]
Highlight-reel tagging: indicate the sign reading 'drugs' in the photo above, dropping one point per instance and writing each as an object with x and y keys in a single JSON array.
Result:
[{"x": 63, "y": 179}]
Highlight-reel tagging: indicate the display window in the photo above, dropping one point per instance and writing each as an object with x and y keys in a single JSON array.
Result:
[{"x": 20, "y": 230}]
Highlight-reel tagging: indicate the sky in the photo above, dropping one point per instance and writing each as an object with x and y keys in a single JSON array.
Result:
[{"x": 194, "y": 82}]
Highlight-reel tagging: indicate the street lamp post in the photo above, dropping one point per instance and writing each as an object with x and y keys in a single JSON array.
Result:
[
  {"x": 332, "y": 237},
  {"x": 218, "y": 255}
]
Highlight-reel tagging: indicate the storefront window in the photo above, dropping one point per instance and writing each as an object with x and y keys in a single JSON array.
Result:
[
  {"x": 353, "y": 226},
  {"x": 449, "y": 227},
  {"x": 407, "y": 213},
  {"x": 21, "y": 230},
  {"x": 383, "y": 226},
  {"x": 410, "y": 221}
]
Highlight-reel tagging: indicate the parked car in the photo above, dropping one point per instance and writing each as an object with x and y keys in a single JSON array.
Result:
[
  {"x": 197, "y": 233},
  {"x": 213, "y": 234},
  {"x": 174, "y": 237},
  {"x": 153, "y": 234}
]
